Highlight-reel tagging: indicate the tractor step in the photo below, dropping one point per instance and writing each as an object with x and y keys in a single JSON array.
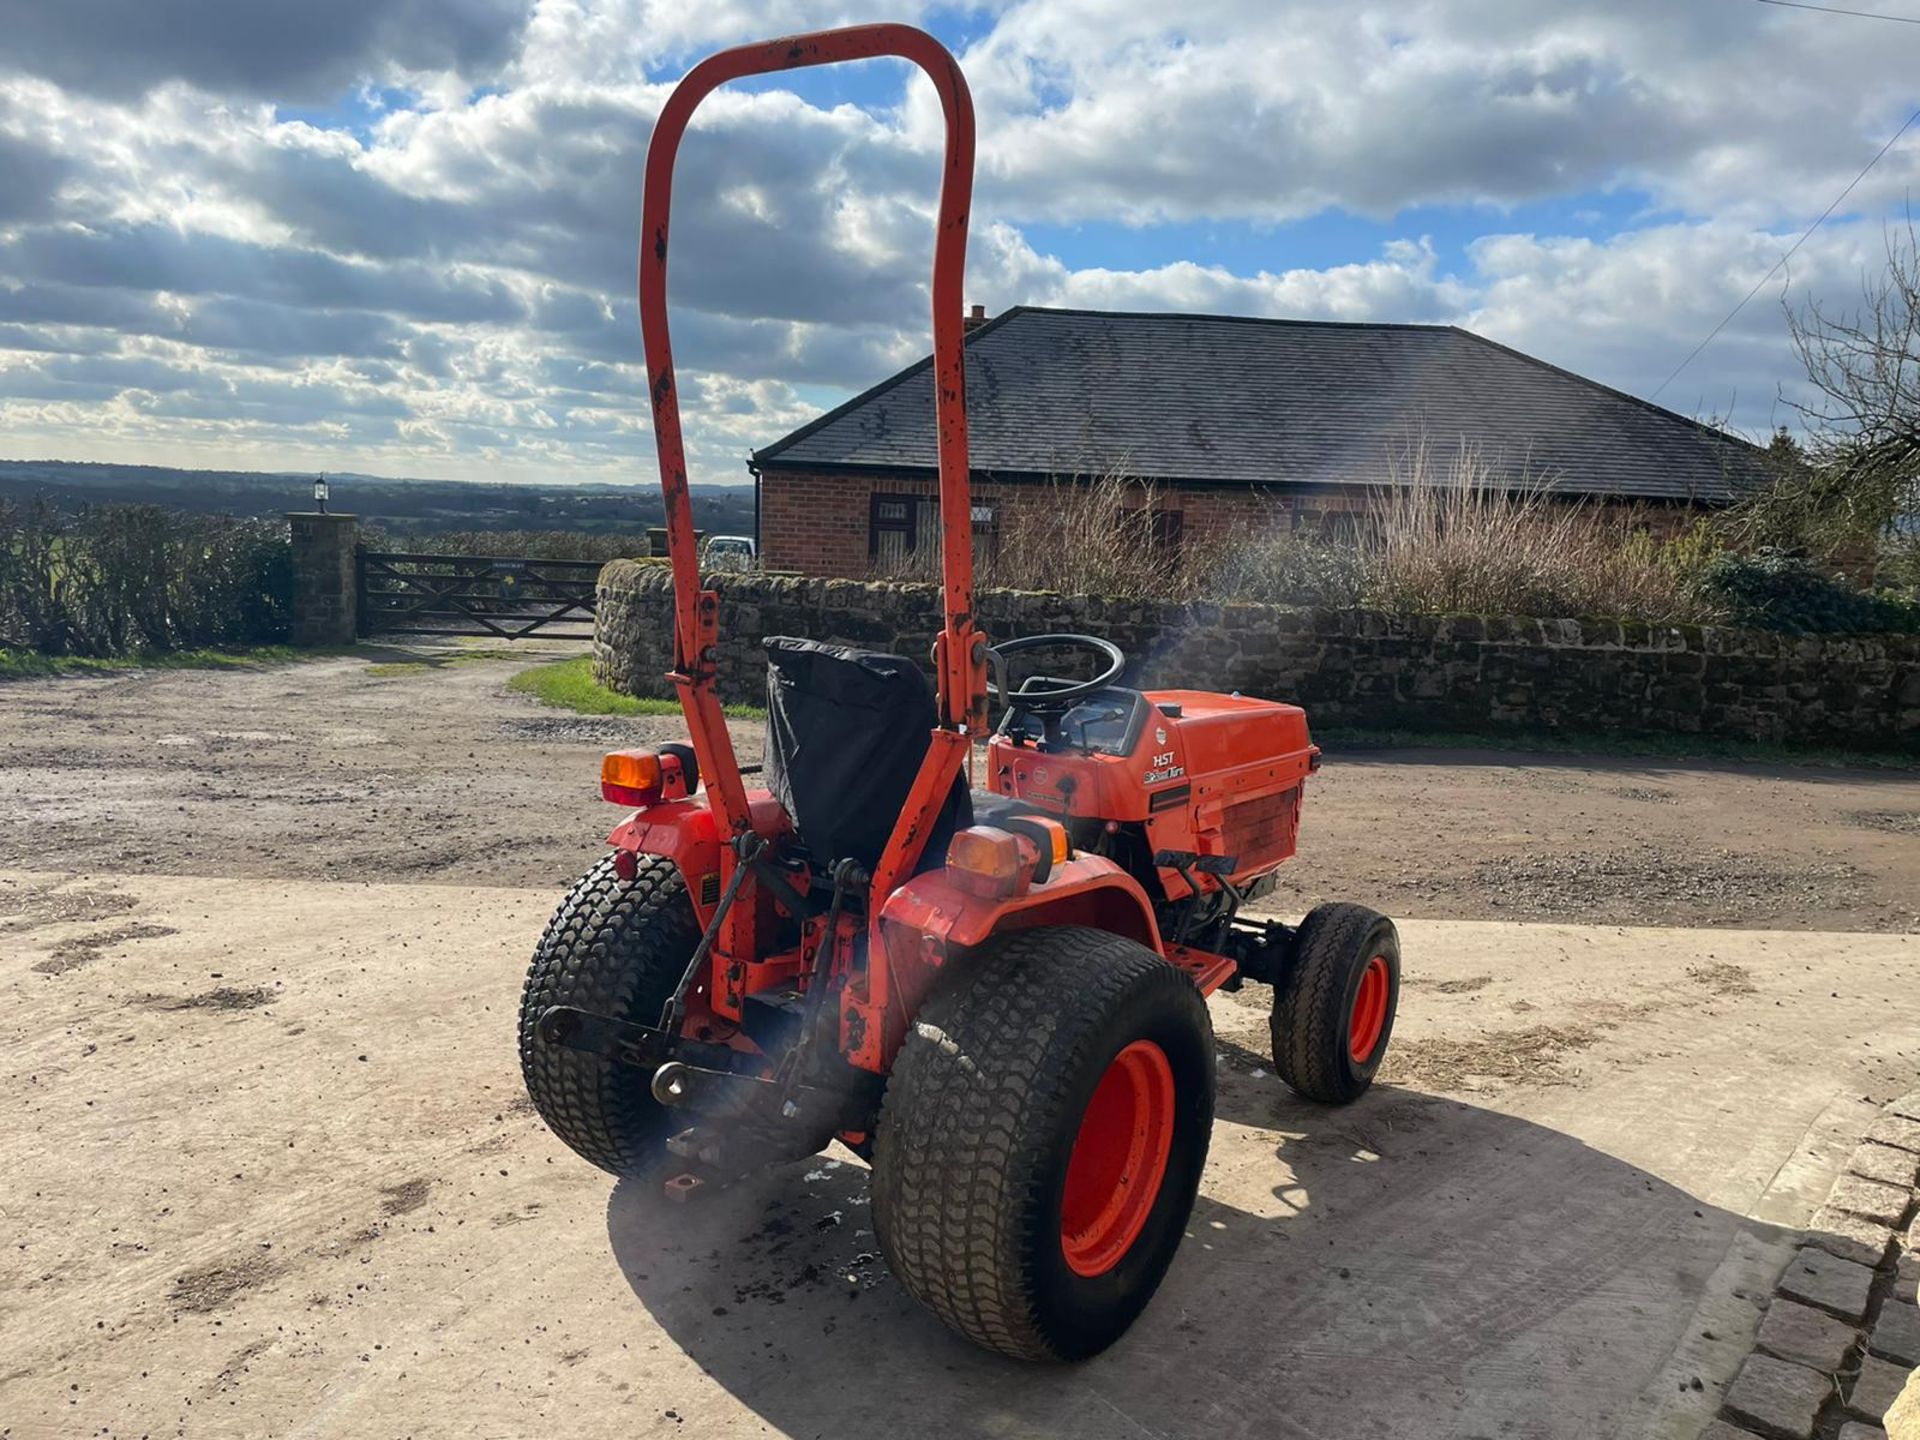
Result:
[{"x": 1209, "y": 972}]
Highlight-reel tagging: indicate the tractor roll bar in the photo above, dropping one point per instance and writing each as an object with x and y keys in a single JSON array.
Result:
[{"x": 960, "y": 652}]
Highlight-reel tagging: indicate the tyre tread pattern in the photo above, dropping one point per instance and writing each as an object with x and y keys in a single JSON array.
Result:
[
  {"x": 615, "y": 947},
  {"x": 1310, "y": 1017},
  {"x": 961, "y": 1156}
]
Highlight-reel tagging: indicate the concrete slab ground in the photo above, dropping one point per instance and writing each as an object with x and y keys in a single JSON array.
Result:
[{"x": 269, "y": 1171}]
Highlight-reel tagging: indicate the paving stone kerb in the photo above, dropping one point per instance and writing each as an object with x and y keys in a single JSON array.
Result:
[
  {"x": 1838, "y": 1232},
  {"x": 1348, "y": 667},
  {"x": 1896, "y": 1129},
  {"x": 1777, "y": 1398},
  {"x": 1896, "y": 1334},
  {"x": 1819, "y": 1279},
  {"x": 1796, "y": 1332},
  {"x": 1873, "y": 1390},
  {"x": 1869, "y": 1199},
  {"x": 1886, "y": 1164},
  {"x": 1840, "y": 1339}
]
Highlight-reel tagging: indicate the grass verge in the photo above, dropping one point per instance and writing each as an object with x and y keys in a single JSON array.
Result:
[
  {"x": 1645, "y": 747},
  {"x": 569, "y": 685},
  {"x": 18, "y": 664}
]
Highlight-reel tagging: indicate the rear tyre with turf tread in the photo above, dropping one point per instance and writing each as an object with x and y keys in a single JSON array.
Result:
[
  {"x": 614, "y": 947},
  {"x": 1346, "y": 964},
  {"x": 980, "y": 1121}
]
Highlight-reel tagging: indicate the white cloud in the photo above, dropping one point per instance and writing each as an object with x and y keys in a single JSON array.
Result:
[
  {"x": 1220, "y": 108},
  {"x": 449, "y": 280},
  {"x": 285, "y": 49}
]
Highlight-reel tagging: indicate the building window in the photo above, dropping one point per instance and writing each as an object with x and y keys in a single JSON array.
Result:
[
  {"x": 986, "y": 530},
  {"x": 892, "y": 529},
  {"x": 898, "y": 526}
]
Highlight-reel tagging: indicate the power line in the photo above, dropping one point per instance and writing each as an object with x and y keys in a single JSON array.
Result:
[
  {"x": 1791, "y": 251},
  {"x": 1835, "y": 10}
]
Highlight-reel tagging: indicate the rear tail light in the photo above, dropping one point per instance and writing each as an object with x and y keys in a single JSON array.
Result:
[
  {"x": 987, "y": 861},
  {"x": 630, "y": 777}
]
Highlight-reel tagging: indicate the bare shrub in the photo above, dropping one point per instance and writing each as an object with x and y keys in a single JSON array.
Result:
[
  {"x": 1095, "y": 537},
  {"x": 1446, "y": 537},
  {"x": 1292, "y": 567},
  {"x": 1440, "y": 535},
  {"x": 1451, "y": 539}
]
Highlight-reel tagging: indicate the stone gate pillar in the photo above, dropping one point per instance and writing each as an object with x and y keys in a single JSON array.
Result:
[{"x": 324, "y": 592}]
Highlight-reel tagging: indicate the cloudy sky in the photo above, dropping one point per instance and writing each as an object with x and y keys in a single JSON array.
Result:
[{"x": 398, "y": 236}]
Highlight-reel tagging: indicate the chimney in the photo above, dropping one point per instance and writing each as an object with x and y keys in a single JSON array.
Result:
[{"x": 976, "y": 318}]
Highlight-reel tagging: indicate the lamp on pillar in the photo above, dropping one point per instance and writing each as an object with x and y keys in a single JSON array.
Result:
[{"x": 320, "y": 493}]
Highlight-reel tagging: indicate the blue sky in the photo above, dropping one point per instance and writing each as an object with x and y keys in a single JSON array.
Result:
[
  {"x": 1334, "y": 236},
  {"x": 397, "y": 236}
]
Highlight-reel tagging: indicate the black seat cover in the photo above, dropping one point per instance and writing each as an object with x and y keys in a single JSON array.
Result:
[{"x": 847, "y": 730}]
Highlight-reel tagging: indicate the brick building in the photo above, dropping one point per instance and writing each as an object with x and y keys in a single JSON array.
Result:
[{"x": 1237, "y": 424}]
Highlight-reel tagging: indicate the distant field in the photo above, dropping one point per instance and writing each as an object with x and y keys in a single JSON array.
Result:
[{"x": 405, "y": 505}]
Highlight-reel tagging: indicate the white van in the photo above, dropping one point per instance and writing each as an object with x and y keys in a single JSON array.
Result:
[{"x": 729, "y": 552}]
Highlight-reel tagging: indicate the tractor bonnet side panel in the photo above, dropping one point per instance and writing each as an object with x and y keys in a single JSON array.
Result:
[{"x": 1245, "y": 762}]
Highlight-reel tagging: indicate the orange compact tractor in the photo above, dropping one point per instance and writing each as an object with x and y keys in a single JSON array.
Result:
[{"x": 997, "y": 995}]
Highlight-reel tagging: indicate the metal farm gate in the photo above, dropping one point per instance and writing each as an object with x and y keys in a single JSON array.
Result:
[{"x": 406, "y": 594}]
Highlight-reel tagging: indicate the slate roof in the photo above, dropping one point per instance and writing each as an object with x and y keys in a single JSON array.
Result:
[{"x": 1215, "y": 399}]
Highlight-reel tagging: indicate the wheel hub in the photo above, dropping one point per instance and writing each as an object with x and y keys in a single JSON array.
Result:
[
  {"x": 1118, "y": 1161},
  {"x": 1369, "y": 1011}
]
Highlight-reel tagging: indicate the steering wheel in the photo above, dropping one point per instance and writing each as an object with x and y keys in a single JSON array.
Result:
[{"x": 1048, "y": 696}]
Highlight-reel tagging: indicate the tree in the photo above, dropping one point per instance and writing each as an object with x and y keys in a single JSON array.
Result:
[{"x": 1858, "y": 478}]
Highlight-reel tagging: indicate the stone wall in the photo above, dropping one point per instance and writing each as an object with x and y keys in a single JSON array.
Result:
[{"x": 1349, "y": 668}]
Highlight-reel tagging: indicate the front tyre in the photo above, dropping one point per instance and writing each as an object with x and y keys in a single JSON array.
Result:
[
  {"x": 614, "y": 947},
  {"x": 1333, "y": 1014},
  {"x": 1042, "y": 1140}
]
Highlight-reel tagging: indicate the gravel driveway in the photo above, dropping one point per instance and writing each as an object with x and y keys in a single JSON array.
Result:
[{"x": 425, "y": 768}]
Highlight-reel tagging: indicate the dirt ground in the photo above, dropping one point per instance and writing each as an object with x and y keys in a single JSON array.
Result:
[
  {"x": 426, "y": 771},
  {"x": 270, "y": 1170}
]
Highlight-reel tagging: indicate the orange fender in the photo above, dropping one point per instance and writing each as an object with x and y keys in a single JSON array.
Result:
[
  {"x": 684, "y": 832},
  {"x": 929, "y": 920}
]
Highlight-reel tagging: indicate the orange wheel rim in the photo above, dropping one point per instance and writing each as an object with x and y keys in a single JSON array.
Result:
[
  {"x": 1369, "y": 1011},
  {"x": 1119, "y": 1159}
]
